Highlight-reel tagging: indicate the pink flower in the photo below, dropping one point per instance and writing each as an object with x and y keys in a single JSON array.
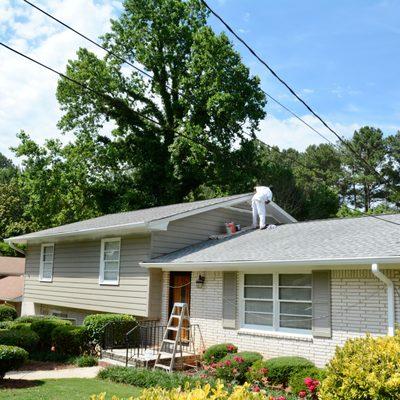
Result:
[
  {"x": 308, "y": 381},
  {"x": 228, "y": 363},
  {"x": 256, "y": 388},
  {"x": 238, "y": 359},
  {"x": 302, "y": 394},
  {"x": 281, "y": 398},
  {"x": 263, "y": 371}
]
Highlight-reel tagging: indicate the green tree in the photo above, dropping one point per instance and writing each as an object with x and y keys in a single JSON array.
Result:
[{"x": 202, "y": 99}]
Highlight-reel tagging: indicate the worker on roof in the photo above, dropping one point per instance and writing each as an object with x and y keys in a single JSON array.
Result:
[{"x": 262, "y": 197}]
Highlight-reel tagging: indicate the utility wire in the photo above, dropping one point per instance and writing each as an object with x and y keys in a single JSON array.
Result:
[{"x": 292, "y": 91}]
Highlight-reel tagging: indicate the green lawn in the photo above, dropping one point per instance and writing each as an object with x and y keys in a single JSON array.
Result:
[{"x": 68, "y": 389}]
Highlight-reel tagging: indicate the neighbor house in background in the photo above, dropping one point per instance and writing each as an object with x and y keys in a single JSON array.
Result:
[
  {"x": 12, "y": 281},
  {"x": 299, "y": 289}
]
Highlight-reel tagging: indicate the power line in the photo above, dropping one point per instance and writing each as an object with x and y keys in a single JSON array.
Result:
[{"x": 292, "y": 91}]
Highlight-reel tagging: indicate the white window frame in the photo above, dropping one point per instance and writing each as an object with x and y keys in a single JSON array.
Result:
[
  {"x": 102, "y": 281},
  {"x": 41, "y": 278},
  {"x": 276, "y": 305}
]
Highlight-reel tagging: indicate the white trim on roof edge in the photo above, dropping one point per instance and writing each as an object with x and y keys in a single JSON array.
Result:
[{"x": 273, "y": 264}]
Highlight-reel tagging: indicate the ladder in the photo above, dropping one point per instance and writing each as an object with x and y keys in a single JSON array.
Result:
[{"x": 169, "y": 347}]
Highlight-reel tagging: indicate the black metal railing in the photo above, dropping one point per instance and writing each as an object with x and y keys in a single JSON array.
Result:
[
  {"x": 143, "y": 341},
  {"x": 114, "y": 336}
]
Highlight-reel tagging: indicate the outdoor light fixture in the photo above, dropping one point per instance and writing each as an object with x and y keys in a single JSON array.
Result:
[{"x": 200, "y": 281}]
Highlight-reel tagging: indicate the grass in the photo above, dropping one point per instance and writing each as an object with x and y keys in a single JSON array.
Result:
[{"x": 67, "y": 389}]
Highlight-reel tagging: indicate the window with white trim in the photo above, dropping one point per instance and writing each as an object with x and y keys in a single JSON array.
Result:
[
  {"x": 280, "y": 302},
  {"x": 109, "y": 261},
  {"x": 46, "y": 262}
]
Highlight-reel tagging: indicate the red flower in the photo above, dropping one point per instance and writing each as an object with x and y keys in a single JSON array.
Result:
[
  {"x": 256, "y": 388},
  {"x": 230, "y": 348},
  {"x": 228, "y": 363},
  {"x": 302, "y": 394},
  {"x": 308, "y": 381},
  {"x": 238, "y": 359},
  {"x": 281, "y": 398},
  {"x": 263, "y": 371}
]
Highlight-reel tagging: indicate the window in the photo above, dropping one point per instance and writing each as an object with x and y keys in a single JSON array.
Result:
[
  {"x": 46, "y": 262},
  {"x": 109, "y": 261},
  {"x": 280, "y": 302}
]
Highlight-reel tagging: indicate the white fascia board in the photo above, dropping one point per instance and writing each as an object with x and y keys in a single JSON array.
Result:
[
  {"x": 138, "y": 227},
  {"x": 162, "y": 224},
  {"x": 267, "y": 265}
]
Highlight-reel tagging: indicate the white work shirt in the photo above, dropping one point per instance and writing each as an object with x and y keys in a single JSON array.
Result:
[{"x": 263, "y": 194}]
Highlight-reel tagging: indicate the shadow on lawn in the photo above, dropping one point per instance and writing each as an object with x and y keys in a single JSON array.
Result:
[{"x": 19, "y": 383}]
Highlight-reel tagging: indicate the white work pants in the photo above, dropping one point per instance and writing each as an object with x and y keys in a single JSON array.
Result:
[{"x": 259, "y": 210}]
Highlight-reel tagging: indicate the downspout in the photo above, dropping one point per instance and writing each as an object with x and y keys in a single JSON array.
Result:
[
  {"x": 390, "y": 297},
  {"x": 14, "y": 247}
]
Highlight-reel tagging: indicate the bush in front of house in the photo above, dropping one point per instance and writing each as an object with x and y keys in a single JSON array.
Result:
[
  {"x": 44, "y": 328},
  {"x": 147, "y": 378},
  {"x": 364, "y": 368},
  {"x": 69, "y": 340},
  {"x": 233, "y": 367},
  {"x": 7, "y": 313},
  {"x": 217, "y": 352},
  {"x": 297, "y": 382},
  {"x": 11, "y": 358},
  {"x": 24, "y": 338},
  {"x": 95, "y": 325},
  {"x": 86, "y": 361},
  {"x": 280, "y": 369}
]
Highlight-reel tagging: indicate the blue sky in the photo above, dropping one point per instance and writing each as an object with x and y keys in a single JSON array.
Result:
[{"x": 342, "y": 56}]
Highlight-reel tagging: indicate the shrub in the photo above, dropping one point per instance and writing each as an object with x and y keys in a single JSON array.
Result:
[
  {"x": 44, "y": 328},
  {"x": 218, "y": 352},
  {"x": 6, "y": 324},
  {"x": 7, "y": 313},
  {"x": 296, "y": 381},
  {"x": 280, "y": 369},
  {"x": 28, "y": 319},
  {"x": 233, "y": 367},
  {"x": 364, "y": 368},
  {"x": 24, "y": 338},
  {"x": 200, "y": 392},
  {"x": 69, "y": 340},
  {"x": 19, "y": 325},
  {"x": 146, "y": 378},
  {"x": 96, "y": 323},
  {"x": 11, "y": 357},
  {"x": 86, "y": 361}
]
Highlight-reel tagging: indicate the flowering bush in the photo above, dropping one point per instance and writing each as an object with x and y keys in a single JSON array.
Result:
[
  {"x": 298, "y": 381},
  {"x": 364, "y": 368},
  {"x": 217, "y": 352}
]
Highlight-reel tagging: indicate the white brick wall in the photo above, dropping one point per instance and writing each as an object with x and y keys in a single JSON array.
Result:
[{"x": 358, "y": 306}]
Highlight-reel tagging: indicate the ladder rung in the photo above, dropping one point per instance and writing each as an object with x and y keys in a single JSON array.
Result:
[
  {"x": 169, "y": 341},
  {"x": 172, "y": 328},
  {"x": 166, "y": 367}
]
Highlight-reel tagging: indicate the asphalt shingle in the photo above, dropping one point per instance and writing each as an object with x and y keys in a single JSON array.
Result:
[{"x": 321, "y": 239}]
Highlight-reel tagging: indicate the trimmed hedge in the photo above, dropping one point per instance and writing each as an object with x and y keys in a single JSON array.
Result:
[
  {"x": 24, "y": 338},
  {"x": 44, "y": 328},
  {"x": 217, "y": 352},
  {"x": 95, "y": 325},
  {"x": 11, "y": 358},
  {"x": 86, "y": 361},
  {"x": 296, "y": 381},
  {"x": 69, "y": 340},
  {"x": 7, "y": 313},
  {"x": 148, "y": 378},
  {"x": 280, "y": 369}
]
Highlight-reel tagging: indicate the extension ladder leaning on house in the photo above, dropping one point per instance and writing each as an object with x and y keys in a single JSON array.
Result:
[{"x": 169, "y": 347}]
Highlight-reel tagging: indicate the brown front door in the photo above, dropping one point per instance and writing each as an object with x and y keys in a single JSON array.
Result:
[{"x": 179, "y": 292}]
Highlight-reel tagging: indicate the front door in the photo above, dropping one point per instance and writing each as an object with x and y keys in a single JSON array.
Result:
[{"x": 179, "y": 292}]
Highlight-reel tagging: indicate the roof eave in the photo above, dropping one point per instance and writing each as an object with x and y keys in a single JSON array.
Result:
[{"x": 274, "y": 264}]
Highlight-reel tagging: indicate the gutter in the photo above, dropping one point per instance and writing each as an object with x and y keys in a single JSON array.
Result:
[
  {"x": 12, "y": 245},
  {"x": 390, "y": 297},
  {"x": 246, "y": 265}
]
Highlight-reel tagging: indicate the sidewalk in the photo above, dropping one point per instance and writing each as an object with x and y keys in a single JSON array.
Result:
[{"x": 88, "y": 372}]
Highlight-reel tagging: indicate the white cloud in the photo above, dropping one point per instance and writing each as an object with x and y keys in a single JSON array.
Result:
[
  {"x": 28, "y": 91},
  {"x": 293, "y": 133}
]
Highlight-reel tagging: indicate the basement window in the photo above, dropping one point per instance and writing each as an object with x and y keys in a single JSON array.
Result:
[{"x": 109, "y": 261}]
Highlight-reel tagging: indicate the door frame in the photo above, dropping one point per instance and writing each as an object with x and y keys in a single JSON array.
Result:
[{"x": 170, "y": 289}]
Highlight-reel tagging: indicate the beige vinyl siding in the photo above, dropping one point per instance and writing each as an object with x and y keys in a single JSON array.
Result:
[
  {"x": 196, "y": 228},
  {"x": 76, "y": 277}
]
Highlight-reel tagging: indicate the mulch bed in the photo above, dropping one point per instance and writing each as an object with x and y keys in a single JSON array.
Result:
[
  {"x": 18, "y": 384},
  {"x": 44, "y": 366}
]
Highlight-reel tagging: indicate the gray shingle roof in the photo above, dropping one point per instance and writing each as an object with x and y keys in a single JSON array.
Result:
[
  {"x": 322, "y": 239},
  {"x": 131, "y": 217}
]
